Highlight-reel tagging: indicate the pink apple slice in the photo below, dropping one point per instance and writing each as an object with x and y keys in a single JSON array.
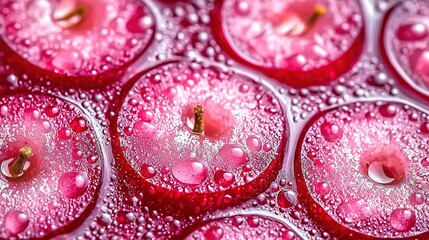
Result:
[
  {"x": 78, "y": 39},
  {"x": 154, "y": 135},
  {"x": 372, "y": 176},
  {"x": 56, "y": 180},
  {"x": 301, "y": 43},
  {"x": 405, "y": 44}
]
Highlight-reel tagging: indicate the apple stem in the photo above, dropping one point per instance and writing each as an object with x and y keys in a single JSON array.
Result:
[
  {"x": 18, "y": 166},
  {"x": 79, "y": 11},
  {"x": 299, "y": 29},
  {"x": 318, "y": 11},
  {"x": 199, "y": 120}
]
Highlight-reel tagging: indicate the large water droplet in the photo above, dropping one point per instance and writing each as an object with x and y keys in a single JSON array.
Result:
[
  {"x": 412, "y": 32},
  {"x": 147, "y": 171},
  {"x": 16, "y": 222},
  {"x": 403, "y": 219},
  {"x": 286, "y": 199},
  {"x": 388, "y": 110},
  {"x": 67, "y": 60},
  {"x": 254, "y": 144},
  {"x": 322, "y": 188},
  {"x": 214, "y": 233},
  {"x": 79, "y": 125},
  {"x": 234, "y": 155},
  {"x": 353, "y": 210},
  {"x": 331, "y": 132},
  {"x": 224, "y": 178},
  {"x": 190, "y": 172},
  {"x": 73, "y": 184},
  {"x": 144, "y": 129}
]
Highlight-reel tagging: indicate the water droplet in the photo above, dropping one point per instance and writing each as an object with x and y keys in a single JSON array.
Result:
[
  {"x": 16, "y": 222},
  {"x": 331, "y": 132},
  {"x": 353, "y": 210},
  {"x": 223, "y": 178},
  {"x": 79, "y": 125},
  {"x": 146, "y": 115},
  {"x": 402, "y": 219},
  {"x": 3, "y": 111},
  {"x": 52, "y": 111},
  {"x": 425, "y": 162},
  {"x": 92, "y": 159},
  {"x": 322, "y": 188},
  {"x": 296, "y": 62},
  {"x": 416, "y": 199},
  {"x": 73, "y": 184},
  {"x": 233, "y": 154},
  {"x": 242, "y": 7},
  {"x": 387, "y": 110},
  {"x": 144, "y": 129},
  {"x": 267, "y": 147},
  {"x": 64, "y": 133},
  {"x": 286, "y": 199},
  {"x": 190, "y": 172},
  {"x": 253, "y": 221},
  {"x": 412, "y": 32},
  {"x": 214, "y": 233},
  {"x": 125, "y": 217},
  {"x": 254, "y": 144},
  {"x": 147, "y": 171}
]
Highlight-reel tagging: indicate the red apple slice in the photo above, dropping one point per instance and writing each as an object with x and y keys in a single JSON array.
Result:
[
  {"x": 155, "y": 136},
  {"x": 370, "y": 181}
]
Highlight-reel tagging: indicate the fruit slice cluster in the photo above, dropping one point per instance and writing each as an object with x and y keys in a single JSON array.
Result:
[
  {"x": 362, "y": 169},
  {"x": 61, "y": 179},
  {"x": 237, "y": 155}
]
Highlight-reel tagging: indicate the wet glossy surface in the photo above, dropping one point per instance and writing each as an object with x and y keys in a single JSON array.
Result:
[{"x": 354, "y": 163}]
